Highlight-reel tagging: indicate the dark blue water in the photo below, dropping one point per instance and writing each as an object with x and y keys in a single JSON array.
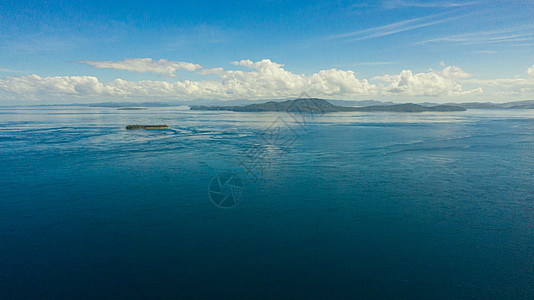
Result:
[{"x": 343, "y": 205}]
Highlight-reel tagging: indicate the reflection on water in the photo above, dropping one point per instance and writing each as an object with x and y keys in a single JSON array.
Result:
[{"x": 357, "y": 204}]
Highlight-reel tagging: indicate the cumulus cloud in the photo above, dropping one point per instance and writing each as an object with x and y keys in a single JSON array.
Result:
[
  {"x": 260, "y": 79},
  {"x": 34, "y": 86},
  {"x": 433, "y": 83},
  {"x": 160, "y": 67},
  {"x": 270, "y": 79},
  {"x": 530, "y": 71}
]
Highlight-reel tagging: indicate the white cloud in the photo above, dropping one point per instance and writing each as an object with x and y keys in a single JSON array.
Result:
[
  {"x": 426, "y": 4},
  {"x": 270, "y": 79},
  {"x": 36, "y": 87},
  {"x": 393, "y": 28},
  {"x": 433, "y": 83},
  {"x": 266, "y": 79},
  {"x": 452, "y": 72},
  {"x": 260, "y": 79},
  {"x": 160, "y": 67},
  {"x": 517, "y": 36},
  {"x": 511, "y": 86},
  {"x": 374, "y": 63},
  {"x": 4, "y": 70}
]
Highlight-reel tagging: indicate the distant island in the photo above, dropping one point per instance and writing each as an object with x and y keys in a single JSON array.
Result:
[
  {"x": 131, "y": 127},
  {"x": 132, "y": 108},
  {"x": 514, "y": 105},
  {"x": 129, "y": 104},
  {"x": 314, "y": 105}
]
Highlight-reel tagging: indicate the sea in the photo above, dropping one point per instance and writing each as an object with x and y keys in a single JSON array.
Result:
[{"x": 264, "y": 205}]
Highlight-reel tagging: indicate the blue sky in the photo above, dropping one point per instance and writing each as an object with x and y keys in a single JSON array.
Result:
[{"x": 417, "y": 51}]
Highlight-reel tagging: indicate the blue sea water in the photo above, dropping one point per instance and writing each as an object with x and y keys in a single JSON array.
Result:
[{"x": 333, "y": 206}]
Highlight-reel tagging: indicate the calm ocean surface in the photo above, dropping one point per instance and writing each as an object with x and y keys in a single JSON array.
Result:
[{"x": 341, "y": 205}]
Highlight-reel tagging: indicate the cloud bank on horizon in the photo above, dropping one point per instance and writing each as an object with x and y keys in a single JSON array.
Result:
[
  {"x": 261, "y": 80},
  {"x": 384, "y": 50}
]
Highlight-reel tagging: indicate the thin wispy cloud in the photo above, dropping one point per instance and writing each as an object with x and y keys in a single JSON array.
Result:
[
  {"x": 518, "y": 85},
  {"x": 368, "y": 63},
  {"x": 381, "y": 28},
  {"x": 375, "y": 63},
  {"x": 393, "y": 28},
  {"x": 401, "y": 29},
  {"x": 514, "y": 36},
  {"x": 427, "y": 4},
  {"x": 4, "y": 70},
  {"x": 485, "y": 52}
]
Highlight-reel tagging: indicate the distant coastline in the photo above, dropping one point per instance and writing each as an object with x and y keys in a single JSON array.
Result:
[
  {"x": 525, "y": 104},
  {"x": 133, "y": 127},
  {"x": 131, "y": 108},
  {"x": 314, "y": 105}
]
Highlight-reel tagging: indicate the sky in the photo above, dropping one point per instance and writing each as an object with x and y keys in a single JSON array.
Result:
[{"x": 54, "y": 52}]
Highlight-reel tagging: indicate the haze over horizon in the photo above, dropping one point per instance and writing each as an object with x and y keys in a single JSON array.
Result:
[{"x": 401, "y": 51}]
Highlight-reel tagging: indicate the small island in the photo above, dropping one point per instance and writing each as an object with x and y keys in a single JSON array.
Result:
[
  {"x": 314, "y": 105},
  {"x": 131, "y": 127}
]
